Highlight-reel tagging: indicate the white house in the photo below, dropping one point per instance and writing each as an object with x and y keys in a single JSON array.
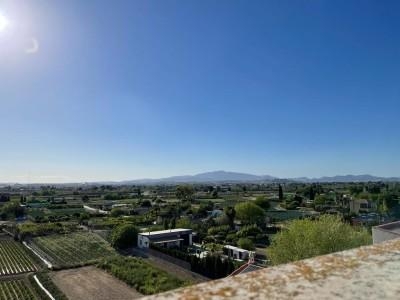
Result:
[
  {"x": 236, "y": 252},
  {"x": 166, "y": 238}
]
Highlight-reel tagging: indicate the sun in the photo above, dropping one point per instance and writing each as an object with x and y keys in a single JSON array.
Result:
[{"x": 3, "y": 22}]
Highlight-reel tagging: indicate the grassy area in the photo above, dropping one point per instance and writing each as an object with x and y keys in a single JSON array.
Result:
[
  {"x": 74, "y": 249},
  {"x": 145, "y": 278}
]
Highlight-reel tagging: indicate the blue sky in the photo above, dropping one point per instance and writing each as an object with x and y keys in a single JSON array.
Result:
[{"x": 113, "y": 90}]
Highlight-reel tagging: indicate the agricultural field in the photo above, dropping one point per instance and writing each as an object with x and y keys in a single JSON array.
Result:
[
  {"x": 16, "y": 290},
  {"x": 141, "y": 275},
  {"x": 14, "y": 258},
  {"x": 92, "y": 283},
  {"x": 74, "y": 249}
]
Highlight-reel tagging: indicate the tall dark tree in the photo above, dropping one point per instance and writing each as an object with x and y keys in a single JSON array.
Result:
[
  {"x": 312, "y": 193},
  {"x": 230, "y": 212},
  {"x": 173, "y": 223},
  {"x": 166, "y": 224},
  {"x": 280, "y": 193}
]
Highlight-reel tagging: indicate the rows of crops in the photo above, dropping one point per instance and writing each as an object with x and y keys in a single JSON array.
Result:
[
  {"x": 73, "y": 249},
  {"x": 14, "y": 258},
  {"x": 15, "y": 290}
]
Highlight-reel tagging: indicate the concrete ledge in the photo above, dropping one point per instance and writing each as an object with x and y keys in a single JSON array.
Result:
[{"x": 371, "y": 272}]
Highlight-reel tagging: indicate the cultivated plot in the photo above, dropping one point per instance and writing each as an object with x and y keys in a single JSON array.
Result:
[
  {"x": 74, "y": 249},
  {"x": 92, "y": 283},
  {"x": 16, "y": 290},
  {"x": 14, "y": 258}
]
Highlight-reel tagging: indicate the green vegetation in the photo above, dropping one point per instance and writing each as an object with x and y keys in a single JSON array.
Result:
[
  {"x": 124, "y": 236},
  {"x": 246, "y": 243},
  {"x": 145, "y": 278},
  {"x": 11, "y": 210},
  {"x": 74, "y": 249},
  {"x": 308, "y": 238},
  {"x": 14, "y": 258},
  {"x": 16, "y": 289},
  {"x": 38, "y": 229},
  {"x": 262, "y": 202},
  {"x": 249, "y": 213},
  {"x": 46, "y": 281},
  {"x": 184, "y": 192}
]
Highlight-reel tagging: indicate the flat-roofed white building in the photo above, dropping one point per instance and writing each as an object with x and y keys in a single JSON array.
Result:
[
  {"x": 236, "y": 252},
  {"x": 166, "y": 238}
]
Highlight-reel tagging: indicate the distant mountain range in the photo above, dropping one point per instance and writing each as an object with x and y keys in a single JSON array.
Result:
[
  {"x": 234, "y": 177},
  {"x": 223, "y": 176}
]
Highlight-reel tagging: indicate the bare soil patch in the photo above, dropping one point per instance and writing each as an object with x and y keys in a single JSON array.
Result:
[{"x": 91, "y": 283}]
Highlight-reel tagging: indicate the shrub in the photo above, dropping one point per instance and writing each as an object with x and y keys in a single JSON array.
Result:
[
  {"x": 116, "y": 212},
  {"x": 246, "y": 243},
  {"x": 139, "y": 274},
  {"x": 262, "y": 202},
  {"x": 308, "y": 238},
  {"x": 124, "y": 236},
  {"x": 223, "y": 229},
  {"x": 249, "y": 230}
]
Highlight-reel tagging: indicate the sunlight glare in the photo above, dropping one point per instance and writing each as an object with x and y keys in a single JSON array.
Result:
[{"x": 3, "y": 22}]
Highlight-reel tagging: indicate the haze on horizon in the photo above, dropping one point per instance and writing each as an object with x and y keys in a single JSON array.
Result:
[{"x": 120, "y": 90}]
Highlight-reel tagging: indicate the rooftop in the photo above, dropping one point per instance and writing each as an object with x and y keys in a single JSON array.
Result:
[
  {"x": 160, "y": 232},
  {"x": 235, "y": 248},
  {"x": 370, "y": 272}
]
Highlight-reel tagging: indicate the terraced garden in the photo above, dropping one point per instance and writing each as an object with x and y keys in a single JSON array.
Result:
[
  {"x": 14, "y": 258},
  {"x": 16, "y": 290},
  {"x": 74, "y": 249}
]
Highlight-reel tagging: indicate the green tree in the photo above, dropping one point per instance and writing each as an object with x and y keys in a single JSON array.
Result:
[
  {"x": 215, "y": 194},
  {"x": 184, "y": 192},
  {"x": 124, "y": 236},
  {"x": 321, "y": 199},
  {"x": 230, "y": 212},
  {"x": 262, "y": 202},
  {"x": 173, "y": 223},
  {"x": 12, "y": 209},
  {"x": 184, "y": 222},
  {"x": 312, "y": 193},
  {"x": 246, "y": 243},
  {"x": 249, "y": 212},
  {"x": 280, "y": 193},
  {"x": 308, "y": 238},
  {"x": 166, "y": 224}
]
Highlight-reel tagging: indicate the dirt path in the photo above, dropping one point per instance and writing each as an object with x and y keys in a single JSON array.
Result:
[{"x": 91, "y": 283}]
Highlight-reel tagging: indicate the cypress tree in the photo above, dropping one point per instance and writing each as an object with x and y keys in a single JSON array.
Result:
[{"x": 280, "y": 193}]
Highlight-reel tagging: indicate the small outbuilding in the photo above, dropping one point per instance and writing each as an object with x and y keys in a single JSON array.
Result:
[{"x": 236, "y": 252}]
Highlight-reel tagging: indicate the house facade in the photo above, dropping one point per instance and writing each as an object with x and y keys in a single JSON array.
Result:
[
  {"x": 170, "y": 238},
  {"x": 236, "y": 252}
]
